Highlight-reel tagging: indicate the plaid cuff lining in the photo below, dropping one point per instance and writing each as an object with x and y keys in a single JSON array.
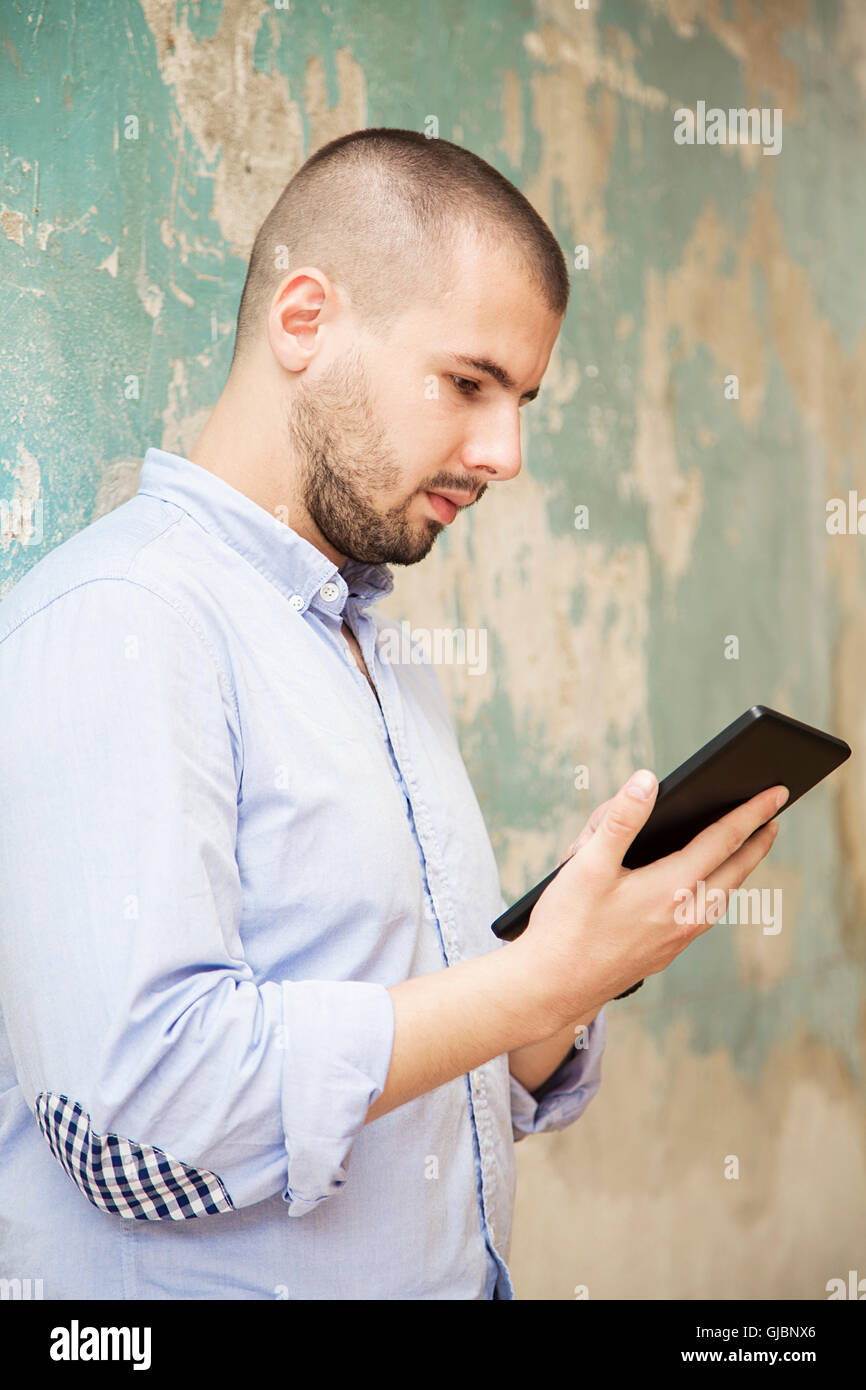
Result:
[{"x": 117, "y": 1175}]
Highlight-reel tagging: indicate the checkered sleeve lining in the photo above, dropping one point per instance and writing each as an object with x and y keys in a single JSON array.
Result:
[{"x": 117, "y": 1175}]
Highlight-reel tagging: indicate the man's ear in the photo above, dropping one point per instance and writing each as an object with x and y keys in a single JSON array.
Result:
[{"x": 301, "y": 304}]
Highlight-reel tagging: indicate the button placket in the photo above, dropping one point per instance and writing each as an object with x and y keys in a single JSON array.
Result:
[{"x": 486, "y": 1146}]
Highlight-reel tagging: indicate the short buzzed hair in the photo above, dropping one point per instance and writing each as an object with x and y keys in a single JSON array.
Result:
[{"x": 379, "y": 212}]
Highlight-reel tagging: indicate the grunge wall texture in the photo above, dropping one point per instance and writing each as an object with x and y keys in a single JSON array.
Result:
[{"x": 123, "y": 254}]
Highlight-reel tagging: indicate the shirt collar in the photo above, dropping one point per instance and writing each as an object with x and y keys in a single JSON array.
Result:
[{"x": 292, "y": 564}]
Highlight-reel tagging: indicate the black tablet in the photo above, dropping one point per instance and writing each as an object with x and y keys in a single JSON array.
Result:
[{"x": 760, "y": 749}]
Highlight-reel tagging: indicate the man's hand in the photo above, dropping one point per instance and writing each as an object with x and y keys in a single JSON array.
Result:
[
  {"x": 588, "y": 830},
  {"x": 598, "y": 927},
  {"x": 534, "y": 1064}
]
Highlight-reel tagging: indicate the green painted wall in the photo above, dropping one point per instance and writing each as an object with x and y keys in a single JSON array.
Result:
[{"x": 141, "y": 144}]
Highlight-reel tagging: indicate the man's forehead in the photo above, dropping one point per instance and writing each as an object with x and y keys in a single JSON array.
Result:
[
  {"x": 487, "y": 278},
  {"x": 492, "y": 317}
]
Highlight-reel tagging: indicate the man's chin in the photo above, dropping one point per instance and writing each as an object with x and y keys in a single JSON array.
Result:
[
  {"x": 393, "y": 540},
  {"x": 406, "y": 554},
  {"x": 432, "y": 531}
]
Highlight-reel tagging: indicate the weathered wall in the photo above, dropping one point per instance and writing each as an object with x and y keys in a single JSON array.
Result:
[{"x": 142, "y": 143}]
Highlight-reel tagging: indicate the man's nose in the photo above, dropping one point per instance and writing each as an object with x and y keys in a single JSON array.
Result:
[{"x": 496, "y": 453}]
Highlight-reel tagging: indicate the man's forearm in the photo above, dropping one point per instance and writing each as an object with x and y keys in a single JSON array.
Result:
[
  {"x": 534, "y": 1063},
  {"x": 454, "y": 1020}
]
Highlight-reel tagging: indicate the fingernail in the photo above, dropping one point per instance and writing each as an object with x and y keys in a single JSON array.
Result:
[
  {"x": 641, "y": 784},
  {"x": 774, "y": 828},
  {"x": 782, "y": 797}
]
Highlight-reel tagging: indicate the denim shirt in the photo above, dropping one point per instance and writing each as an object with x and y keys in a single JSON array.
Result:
[{"x": 217, "y": 852}]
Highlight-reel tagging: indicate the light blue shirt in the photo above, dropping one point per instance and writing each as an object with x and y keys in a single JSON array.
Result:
[{"x": 217, "y": 852}]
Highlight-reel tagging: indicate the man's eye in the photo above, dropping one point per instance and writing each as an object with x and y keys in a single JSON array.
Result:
[{"x": 472, "y": 385}]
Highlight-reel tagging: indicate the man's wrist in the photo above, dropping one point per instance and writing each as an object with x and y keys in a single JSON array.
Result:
[
  {"x": 533, "y": 1066},
  {"x": 551, "y": 1014}
]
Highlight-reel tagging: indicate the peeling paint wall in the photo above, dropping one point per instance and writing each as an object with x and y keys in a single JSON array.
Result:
[{"x": 141, "y": 145}]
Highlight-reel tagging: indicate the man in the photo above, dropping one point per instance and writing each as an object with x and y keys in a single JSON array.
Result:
[{"x": 261, "y": 1040}]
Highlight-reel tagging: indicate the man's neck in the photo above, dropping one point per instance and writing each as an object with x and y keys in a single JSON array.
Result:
[{"x": 229, "y": 448}]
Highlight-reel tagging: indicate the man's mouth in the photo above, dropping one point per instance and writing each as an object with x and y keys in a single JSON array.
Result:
[{"x": 445, "y": 509}]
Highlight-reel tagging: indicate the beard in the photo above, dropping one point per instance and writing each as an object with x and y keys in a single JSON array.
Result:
[{"x": 345, "y": 463}]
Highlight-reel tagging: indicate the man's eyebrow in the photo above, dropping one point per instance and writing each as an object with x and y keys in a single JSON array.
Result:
[{"x": 484, "y": 364}]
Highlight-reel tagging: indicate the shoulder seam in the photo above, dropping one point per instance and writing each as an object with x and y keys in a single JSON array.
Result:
[
  {"x": 188, "y": 618},
  {"x": 33, "y": 611}
]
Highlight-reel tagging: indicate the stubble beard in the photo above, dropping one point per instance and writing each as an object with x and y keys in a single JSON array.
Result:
[{"x": 345, "y": 463}]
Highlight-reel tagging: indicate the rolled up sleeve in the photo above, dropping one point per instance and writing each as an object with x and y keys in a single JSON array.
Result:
[
  {"x": 564, "y": 1096},
  {"x": 167, "y": 1080},
  {"x": 339, "y": 1038}
]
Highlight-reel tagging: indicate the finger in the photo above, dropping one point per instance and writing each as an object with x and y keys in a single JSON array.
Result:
[
  {"x": 736, "y": 870},
  {"x": 713, "y": 846},
  {"x": 588, "y": 830},
  {"x": 623, "y": 817},
  {"x": 596, "y": 818}
]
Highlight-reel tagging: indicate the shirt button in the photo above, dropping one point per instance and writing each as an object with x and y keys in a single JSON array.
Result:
[
  {"x": 329, "y": 592},
  {"x": 296, "y": 602}
]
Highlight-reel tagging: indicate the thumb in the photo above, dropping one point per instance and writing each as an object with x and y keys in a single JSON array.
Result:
[{"x": 627, "y": 813}]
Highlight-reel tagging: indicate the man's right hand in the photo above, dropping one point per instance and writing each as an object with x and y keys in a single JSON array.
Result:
[{"x": 598, "y": 928}]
